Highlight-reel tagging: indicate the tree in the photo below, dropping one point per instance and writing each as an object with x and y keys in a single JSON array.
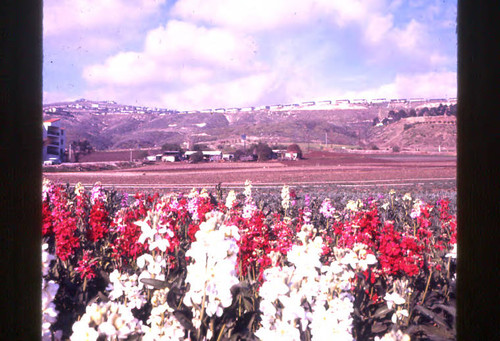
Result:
[
  {"x": 79, "y": 148},
  {"x": 201, "y": 147},
  {"x": 196, "y": 157},
  {"x": 279, "y": 146},
  {"x": 294, "y": 148},
  {"x": 263, "y": 151},
  {"x": 171, "y": 147}
]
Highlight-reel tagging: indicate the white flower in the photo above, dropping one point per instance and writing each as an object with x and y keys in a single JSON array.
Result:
[
  {"x": 354, "y": 206},
  {"x": 159, "y": 243},
  {"x": 147, "y": 231},
  {"x": 111, "y": 319},
  {"x": 212, "y": 272},
  {"x": 417, "y": 210},
  {"x": 393, "y": 299},
  {"x": 82, "y": 332},
  {"x": 315, "y": 295},
  {"x": 248, "y": 189},
  {"x": 248, "y": 210},
  {"x": 144, "y": 259},
  {"x": 453, "y": 252},
  {"x": 398, "y": 315},
  {"x": 231, "y": 199},
  {"x": 285, "y": 196}
]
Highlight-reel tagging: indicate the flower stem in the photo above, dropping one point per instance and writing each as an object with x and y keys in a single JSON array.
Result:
[
  {"x": 426, "y": 287},
  {"x": 221, "y": 331}
]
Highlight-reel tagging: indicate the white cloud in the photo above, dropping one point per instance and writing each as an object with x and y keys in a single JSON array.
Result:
[
  {"x": 61, "y": 16},
  {"x": 179, "y": 53},
  {"x": 85, "y": 28},
  {"x": 216, "y": 53},
  {"x": 262, "y": 15},
  {"x": 373, "y": 18},
  {"x": 377, "y": 28},
  {"x": 424, "y": 85},
  {"x": 181, "y": 41}
]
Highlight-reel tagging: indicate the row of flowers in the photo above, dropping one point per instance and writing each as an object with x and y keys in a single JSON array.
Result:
[{"x": 203, "y": 266}]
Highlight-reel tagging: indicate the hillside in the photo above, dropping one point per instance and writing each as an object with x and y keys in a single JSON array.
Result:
[
  {"x": 429, "y": 134},
  {"x": 109, "y": 126}
]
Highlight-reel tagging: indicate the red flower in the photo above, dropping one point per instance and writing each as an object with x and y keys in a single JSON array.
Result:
[
  {"x": 86, "y": 266},
  {"x": 98, "y": 222}
]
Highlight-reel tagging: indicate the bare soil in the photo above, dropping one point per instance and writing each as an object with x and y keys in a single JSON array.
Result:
[{"x": 317, "y": 168}]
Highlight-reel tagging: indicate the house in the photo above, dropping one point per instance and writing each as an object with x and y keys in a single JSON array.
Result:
[
  {"x": 228, "y": 156},
  {"x": 168, "y": 158},
  {"x": 342, "y": 101},
  {"x": 54, "y": 141},
  {"x": 291, "y": 156},
  {"x": 360, "y": 101},
  {"x": 171, "y": 156},
  {"x": 209, "y": 155},
  {"x": 413, "y": 100},
  {"x": 279, "y": 153}
]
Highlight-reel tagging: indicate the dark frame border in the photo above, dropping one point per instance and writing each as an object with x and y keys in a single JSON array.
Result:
[{"x": 478, "y": 305}]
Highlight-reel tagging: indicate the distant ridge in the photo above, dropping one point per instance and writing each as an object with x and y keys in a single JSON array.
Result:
[{"x": 108, "y": 125}]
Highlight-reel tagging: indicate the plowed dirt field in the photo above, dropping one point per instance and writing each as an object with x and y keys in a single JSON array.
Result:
[{"x": 317, "y": 169}]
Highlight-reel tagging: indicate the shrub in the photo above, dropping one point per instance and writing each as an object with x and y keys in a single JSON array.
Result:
[{"x": 197, "y": 157}]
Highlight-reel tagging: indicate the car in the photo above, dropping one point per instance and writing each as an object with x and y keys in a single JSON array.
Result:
[{"x": 52, "y": 161}]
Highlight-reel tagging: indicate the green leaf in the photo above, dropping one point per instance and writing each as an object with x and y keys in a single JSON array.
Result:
[
  {"x": 378, "y": 327},
  {"x": 432, "y": 315},
  {"x": 155, "y": 283},
  {"x": 448, "y": 308},
  {"x": 185, "y": 317},
  {"x": 173, "y": 297},
  {"x": 434, "y": 333},
  {"x": 381, "y": 312}
]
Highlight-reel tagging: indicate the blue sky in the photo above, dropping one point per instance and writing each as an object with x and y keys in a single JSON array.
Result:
[{"x": 196, "y": 54}]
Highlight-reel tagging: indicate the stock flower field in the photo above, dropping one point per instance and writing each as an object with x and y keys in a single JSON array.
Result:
[{"x": 246, "y": 265}]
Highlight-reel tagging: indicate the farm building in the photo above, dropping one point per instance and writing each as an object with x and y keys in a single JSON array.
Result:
[
  {"x": 228, "y": 156},
  {"x": 209, "y": 155},
  {"x": 291, "y": 156},
  {"x": 171, "y": 156}
]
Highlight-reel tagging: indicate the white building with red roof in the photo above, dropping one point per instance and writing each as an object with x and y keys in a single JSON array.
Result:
[{"x": 54, "y": 141}]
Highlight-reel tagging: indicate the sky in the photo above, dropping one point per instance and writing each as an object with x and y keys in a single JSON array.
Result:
[{"x": 199, "y": 54}]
